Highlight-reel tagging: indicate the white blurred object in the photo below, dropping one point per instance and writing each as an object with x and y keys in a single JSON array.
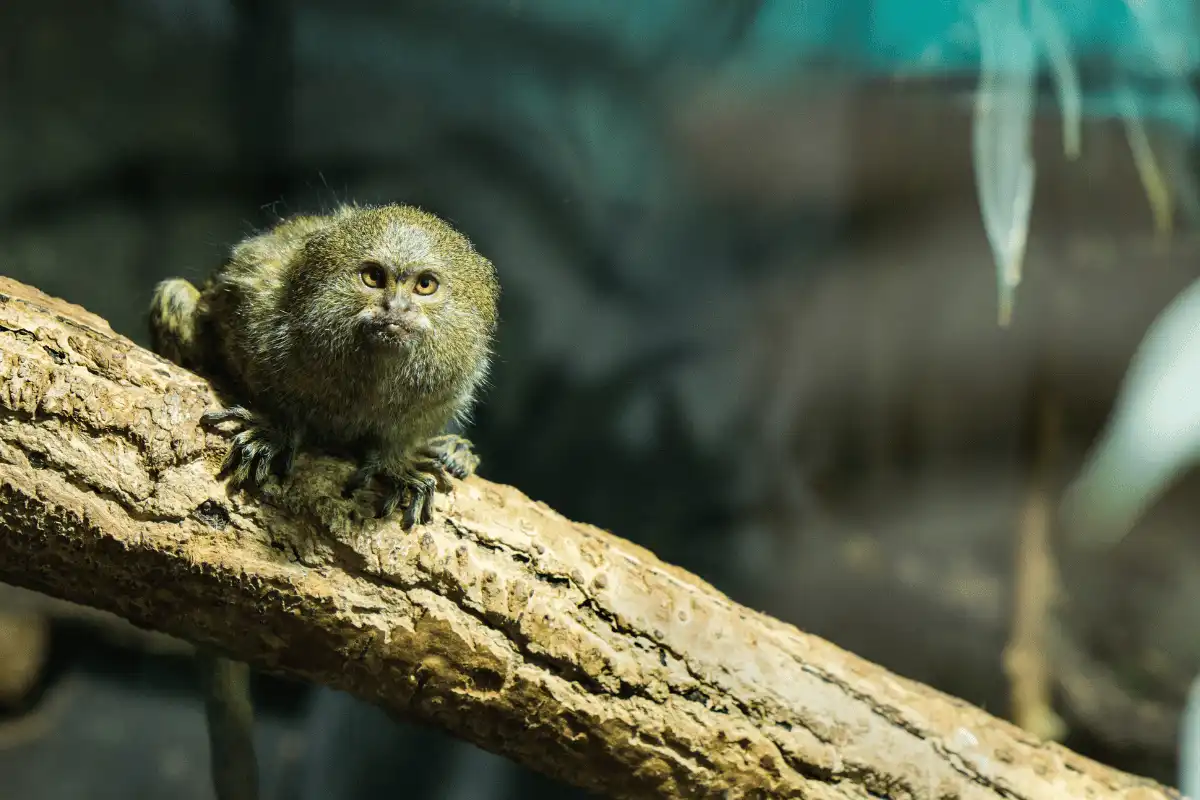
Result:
[
  {"x": 1004, "y": 169},
  {"x": 1153, "y": 434},
  {"x": 1189, "y": 745}
]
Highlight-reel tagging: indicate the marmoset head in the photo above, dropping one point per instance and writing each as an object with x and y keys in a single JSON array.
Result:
[{"x": 394, "y": 280}]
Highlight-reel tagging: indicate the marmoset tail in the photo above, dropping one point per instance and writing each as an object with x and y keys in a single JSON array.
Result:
[{"x": 366, "y": 331}]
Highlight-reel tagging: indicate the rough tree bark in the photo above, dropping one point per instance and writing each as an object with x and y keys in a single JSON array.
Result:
[{"x": 554, "y": 643}]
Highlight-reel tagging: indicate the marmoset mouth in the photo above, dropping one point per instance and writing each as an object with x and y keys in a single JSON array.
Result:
[{"x": 393, "y": 331}]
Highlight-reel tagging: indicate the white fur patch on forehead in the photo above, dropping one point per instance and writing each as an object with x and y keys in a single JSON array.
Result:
[{"x": 402, "y": 243}]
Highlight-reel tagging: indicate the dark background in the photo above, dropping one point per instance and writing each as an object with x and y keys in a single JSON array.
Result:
[{"x": 749, "y": 321}]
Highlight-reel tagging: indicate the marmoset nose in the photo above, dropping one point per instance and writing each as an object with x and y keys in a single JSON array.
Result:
[
  {"x": 400, "y": 313},
  {"x": 397, "y": 303}
]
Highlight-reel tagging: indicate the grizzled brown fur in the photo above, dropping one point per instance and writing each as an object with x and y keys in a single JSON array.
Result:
[{"x": 365, "y": 332}]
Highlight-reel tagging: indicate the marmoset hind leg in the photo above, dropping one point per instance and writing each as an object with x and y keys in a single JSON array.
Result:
[{"x": 261, "y": 447}]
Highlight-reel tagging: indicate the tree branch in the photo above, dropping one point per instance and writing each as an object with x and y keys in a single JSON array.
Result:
[{"x": 557, "y": 644}]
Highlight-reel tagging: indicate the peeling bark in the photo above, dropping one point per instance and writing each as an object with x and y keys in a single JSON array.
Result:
[{"x": 554, "y": 643}]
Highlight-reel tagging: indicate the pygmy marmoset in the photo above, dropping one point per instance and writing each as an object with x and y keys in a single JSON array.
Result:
[{"x": 363, "y": 332}]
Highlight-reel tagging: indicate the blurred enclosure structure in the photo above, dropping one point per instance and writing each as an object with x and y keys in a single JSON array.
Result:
[{"x": 755, "y": 257}]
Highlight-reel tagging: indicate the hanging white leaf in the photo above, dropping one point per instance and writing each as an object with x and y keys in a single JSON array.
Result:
[
  {"x": 1003, "y": 126},
  {"x": 1057, "y": 47}
]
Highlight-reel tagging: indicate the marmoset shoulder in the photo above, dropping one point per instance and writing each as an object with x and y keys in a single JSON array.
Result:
[{"x": 365, "y": 331}]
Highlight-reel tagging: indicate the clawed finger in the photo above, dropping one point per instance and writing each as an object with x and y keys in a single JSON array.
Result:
[
  {"x": 410, "y": 513},
  {"x": 390, "y": 501},
  {"x": 231, "y": 414}
]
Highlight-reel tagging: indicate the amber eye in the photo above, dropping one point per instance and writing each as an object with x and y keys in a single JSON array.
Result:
[
  {"x": 426, "y": 284},
  {"x": 372, "y": 275}
]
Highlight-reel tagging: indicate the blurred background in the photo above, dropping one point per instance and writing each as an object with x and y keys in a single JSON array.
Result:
[{"x": 873, "y": 313}]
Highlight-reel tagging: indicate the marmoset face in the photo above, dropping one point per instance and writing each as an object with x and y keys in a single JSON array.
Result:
[
  {"x": 402, "y": 280},
  {"x": 398, "y": 301}
]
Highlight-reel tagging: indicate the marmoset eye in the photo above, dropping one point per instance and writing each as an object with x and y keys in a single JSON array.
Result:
[
  {"x": 426, "y": 284},
  {"x": 372, "y": 275}
]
